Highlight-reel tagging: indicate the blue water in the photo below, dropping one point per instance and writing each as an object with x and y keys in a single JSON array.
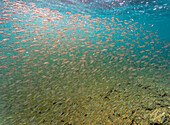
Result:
[{"x": 155, "y": 12}]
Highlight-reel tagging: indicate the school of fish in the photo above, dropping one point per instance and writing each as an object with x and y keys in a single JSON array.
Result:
[{"x": 66, "y": 68}]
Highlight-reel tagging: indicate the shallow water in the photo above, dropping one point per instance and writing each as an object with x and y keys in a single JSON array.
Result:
[{"x": 84, "y": 62}]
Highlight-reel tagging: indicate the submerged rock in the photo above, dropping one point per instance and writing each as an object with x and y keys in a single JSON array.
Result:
[{"x": 158, "y": 116}]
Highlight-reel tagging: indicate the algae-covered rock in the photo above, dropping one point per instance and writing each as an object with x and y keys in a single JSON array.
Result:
[{"x": 158, "y": 116}]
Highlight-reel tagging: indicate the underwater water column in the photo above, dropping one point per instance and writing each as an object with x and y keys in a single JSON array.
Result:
[{"x": 84, "y": 62}]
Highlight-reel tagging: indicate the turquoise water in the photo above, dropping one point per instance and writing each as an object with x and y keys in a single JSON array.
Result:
[{"x": 84, "y": 62}]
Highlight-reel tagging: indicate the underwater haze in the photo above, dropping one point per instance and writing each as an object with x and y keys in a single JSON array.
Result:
[{"x": 84, "y": 62}]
